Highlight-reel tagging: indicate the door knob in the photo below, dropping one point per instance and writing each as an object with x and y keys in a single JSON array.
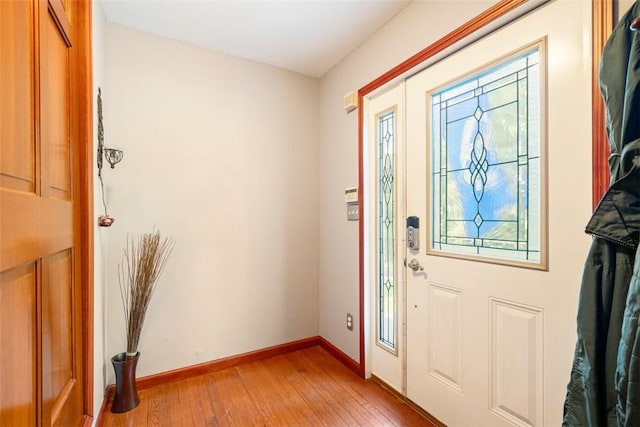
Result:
[{"x": 414, "y": 264}]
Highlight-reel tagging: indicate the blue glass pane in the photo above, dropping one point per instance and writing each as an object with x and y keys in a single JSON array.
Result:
[
  {"x": 460, "y": 108},
  {"x": 460, "y": 199},
  {"x": 500, "y": 200}
]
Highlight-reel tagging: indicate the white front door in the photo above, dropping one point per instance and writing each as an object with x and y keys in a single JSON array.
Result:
[{"x": 490, "y": 343}]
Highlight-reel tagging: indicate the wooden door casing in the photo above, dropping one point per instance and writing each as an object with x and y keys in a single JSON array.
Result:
[{"x": 44, "y": 250}]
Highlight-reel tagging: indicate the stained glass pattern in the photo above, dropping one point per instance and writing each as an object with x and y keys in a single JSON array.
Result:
[
  {"x": 485, "y": 163},
  {"x": 386, "y": 231}
]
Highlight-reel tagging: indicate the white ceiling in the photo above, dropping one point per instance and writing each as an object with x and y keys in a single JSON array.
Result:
[{"x": 306, "y": 36}]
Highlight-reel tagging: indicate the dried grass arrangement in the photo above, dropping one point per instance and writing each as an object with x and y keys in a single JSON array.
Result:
[{"x": 143, "y": 261}]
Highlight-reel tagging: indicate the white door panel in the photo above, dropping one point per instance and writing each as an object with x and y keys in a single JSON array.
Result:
[{"x": 491, "y": 344}]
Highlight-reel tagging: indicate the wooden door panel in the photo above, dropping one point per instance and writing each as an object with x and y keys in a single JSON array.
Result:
[
  {"x": 55, "y": 107},
  {"x": 59, "y": 332},
  {"x": 17, "y": 103},
  {"x": 17, "y": 353},
  {"x": 57, "y": 325},
  {"x": 21, "y": 227}
]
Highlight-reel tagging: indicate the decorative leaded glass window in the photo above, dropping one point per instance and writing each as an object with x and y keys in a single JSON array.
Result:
[
  {"x": 386, "y": 169},
  {"x": 486, "y": 164}
]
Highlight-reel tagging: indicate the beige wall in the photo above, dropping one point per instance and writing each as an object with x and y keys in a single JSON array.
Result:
[
  {"x": 417, "y": 26},
  {"x": 221, "y": 154},
  {"x": 99, "y": 242}
]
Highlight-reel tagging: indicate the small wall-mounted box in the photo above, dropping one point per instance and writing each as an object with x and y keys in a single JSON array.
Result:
[
  {"x": 350, "y": 101},
  {"x": 351, "y": 199},
  {"x": 351, "y": 195}
]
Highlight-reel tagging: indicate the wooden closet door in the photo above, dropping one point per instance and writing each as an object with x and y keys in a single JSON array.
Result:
[{"x": 40, "y": 293}]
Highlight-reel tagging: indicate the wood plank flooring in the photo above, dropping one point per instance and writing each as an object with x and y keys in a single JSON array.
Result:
[{"x": 303, "y": 388}]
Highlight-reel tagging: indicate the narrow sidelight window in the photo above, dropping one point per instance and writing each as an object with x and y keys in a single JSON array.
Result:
[{"x": 386, "y": 170}]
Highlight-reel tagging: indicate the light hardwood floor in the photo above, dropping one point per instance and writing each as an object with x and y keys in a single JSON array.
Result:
[{"x": 303, "y": 388}]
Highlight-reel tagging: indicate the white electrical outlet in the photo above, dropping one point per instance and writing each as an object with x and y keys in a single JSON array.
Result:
[{"x": 349, "y": 322}]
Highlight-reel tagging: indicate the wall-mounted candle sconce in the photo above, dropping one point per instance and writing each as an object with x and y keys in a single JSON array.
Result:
[{"x": 112, "y": 156}]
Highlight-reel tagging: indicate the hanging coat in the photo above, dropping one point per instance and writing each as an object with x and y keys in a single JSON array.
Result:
[{"x": 604, "y": 388}]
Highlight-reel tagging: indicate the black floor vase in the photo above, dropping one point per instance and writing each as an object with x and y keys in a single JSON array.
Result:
[{"x": 126, "y": 397}]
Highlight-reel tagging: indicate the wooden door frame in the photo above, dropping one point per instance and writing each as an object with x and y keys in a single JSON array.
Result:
[
  {"x": 81, "y": 66},
  {"x": 602, "y": 25}
]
